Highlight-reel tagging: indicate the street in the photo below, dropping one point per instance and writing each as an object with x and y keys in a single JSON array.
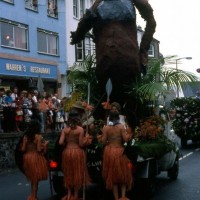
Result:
[{"x": 14, "y": 186}]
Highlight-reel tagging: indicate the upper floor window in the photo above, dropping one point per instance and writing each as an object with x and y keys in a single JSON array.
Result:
[
  {"x": 47, "y": 42},
  {"x": 14, "y": 35},
  {"x": 83, "y": 49},
  {"x": 80, "y": 51},
  {"x": 9, "y": 1},
  {"x": 52, "y": 10},
  {"x": 78, "y": 8},
  {"x": 151, "y": 51},
  {"x": 31, "y": 4}
]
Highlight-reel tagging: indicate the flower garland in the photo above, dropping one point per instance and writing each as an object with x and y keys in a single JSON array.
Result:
[{"x": 150, "y": 128}]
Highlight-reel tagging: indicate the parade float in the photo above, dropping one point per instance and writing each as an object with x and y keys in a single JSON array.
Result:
[{"x": 153, "y": 148}]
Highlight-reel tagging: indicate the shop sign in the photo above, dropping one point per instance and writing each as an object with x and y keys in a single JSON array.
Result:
[{"x": 28, "y": 69}]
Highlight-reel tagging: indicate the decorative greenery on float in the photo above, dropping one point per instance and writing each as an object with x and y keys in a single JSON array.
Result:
[
  {"x": 150, "y": 140},
  {"x": 186, "y": 122}
]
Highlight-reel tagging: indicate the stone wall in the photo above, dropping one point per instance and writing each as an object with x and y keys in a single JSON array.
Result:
[{"x": 8, "y": 142}]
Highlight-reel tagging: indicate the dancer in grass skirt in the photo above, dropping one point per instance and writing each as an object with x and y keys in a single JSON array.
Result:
[
  {"x": 117, "y": 168},
  {"x": 73, "y": 157},
  {"x": 35, "y": 165}
]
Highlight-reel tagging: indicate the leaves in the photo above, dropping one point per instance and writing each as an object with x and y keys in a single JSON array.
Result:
[{"x": 160, "y": 79}]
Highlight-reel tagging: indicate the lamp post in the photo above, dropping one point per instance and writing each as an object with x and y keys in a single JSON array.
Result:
[{"x": 188, "y": 58}]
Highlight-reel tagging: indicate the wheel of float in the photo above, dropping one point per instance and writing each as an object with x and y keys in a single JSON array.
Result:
[{"x": 174, "y": 171}]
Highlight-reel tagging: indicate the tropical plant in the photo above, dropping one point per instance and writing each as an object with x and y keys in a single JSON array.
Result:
[
  {"x": 160, "y": 79},
  {"x": 82, "y": 78}
]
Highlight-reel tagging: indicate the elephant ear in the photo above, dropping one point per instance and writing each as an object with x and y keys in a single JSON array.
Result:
[{"x": 19, "y": 155}]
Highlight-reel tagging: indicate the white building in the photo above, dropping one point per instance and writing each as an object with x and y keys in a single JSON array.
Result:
[{"x": 76, "y": 53}]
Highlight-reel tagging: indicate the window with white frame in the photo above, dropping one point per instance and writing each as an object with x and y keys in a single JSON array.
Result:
[
  {"x": 9, "y": 1},
  {"x": 52, "y": 10},
  {"x": 79, "y": 51},
  {"x": 78, "y": 8},
  {"x": 151, "y": 51},
  {"x": 31, "y": 4},
  {"x": 83, "y": 49},
  {"x": 47, "y": 42},
  {"x": 82, "y": 8},
  {"x": 14, "y": 35}
]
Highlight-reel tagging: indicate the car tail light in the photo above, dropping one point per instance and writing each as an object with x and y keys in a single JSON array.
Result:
[{"x": 53, "y": 164}]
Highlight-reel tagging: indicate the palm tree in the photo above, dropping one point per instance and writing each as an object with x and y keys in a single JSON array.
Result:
[
  {"x": 82, "y": 78},
  {"x": 159, "y": 81}
]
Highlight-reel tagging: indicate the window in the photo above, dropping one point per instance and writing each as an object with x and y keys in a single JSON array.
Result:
[
  {"x": 79, "y": 51},
  {"x": 31, "y": 4},
  {"x": 52, "y": 10},
  {"x": 82, "y": 8},
  {"x": 78, "y": 8},
  {"x": 83, "y": 49},
  {"x": 151, "y": 51},
  {"x": 47, "y": 42},
  {"x": 75, "y": 8},
  {"x": 9, "y": 1},
  {"x": 14, "y": 35}
]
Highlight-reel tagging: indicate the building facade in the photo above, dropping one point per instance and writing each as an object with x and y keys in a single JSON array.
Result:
[
  {"x": 33, "y": 44},
  {"x": 77, "y": 53}
]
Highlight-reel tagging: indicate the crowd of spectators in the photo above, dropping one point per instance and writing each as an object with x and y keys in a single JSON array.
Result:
[{"x": 17, "y": 108}]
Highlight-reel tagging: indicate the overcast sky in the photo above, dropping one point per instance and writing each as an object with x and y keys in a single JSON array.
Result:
[{"x": 178, "y": 30}]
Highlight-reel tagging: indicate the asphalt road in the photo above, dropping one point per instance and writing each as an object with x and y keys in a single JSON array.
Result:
[{"x": 14, "y": 186}]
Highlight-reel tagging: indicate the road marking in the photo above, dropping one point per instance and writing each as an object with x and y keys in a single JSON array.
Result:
[{"x": 185, "y": 156}]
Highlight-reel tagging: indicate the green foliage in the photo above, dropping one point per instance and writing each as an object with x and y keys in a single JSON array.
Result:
[
  {"x": 150, "y": 148},
  {"x": 83, "y": 73},
  {"x": 159, "y": 80}
]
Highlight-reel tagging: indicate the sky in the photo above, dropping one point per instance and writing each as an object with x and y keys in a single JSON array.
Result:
[{"x": 178, "y": 30}]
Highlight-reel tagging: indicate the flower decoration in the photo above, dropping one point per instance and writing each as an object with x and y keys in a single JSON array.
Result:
[
  {"x": 87, "y": 106},
  {"x": 187, "y": 118},
  {"x": 150, "y": 128},
  {"x": 106, "y": 105}
]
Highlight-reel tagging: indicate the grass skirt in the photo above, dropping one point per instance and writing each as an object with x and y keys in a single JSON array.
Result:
[
  {"x": 74, "y": 167},
  {"x": 35, "y": 166},
  {"x": 116, "y": 168}
]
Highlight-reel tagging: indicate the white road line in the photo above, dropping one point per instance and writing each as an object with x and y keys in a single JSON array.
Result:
[{"x": 185, "y": 156}]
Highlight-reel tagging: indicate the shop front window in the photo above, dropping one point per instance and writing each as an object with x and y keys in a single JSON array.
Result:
[
  {"x": 47, "y": 42},
  {"x": 31, "y": 4},
  {"x": 14, "y": 35},
  {"x": 52, "y": 10}
]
